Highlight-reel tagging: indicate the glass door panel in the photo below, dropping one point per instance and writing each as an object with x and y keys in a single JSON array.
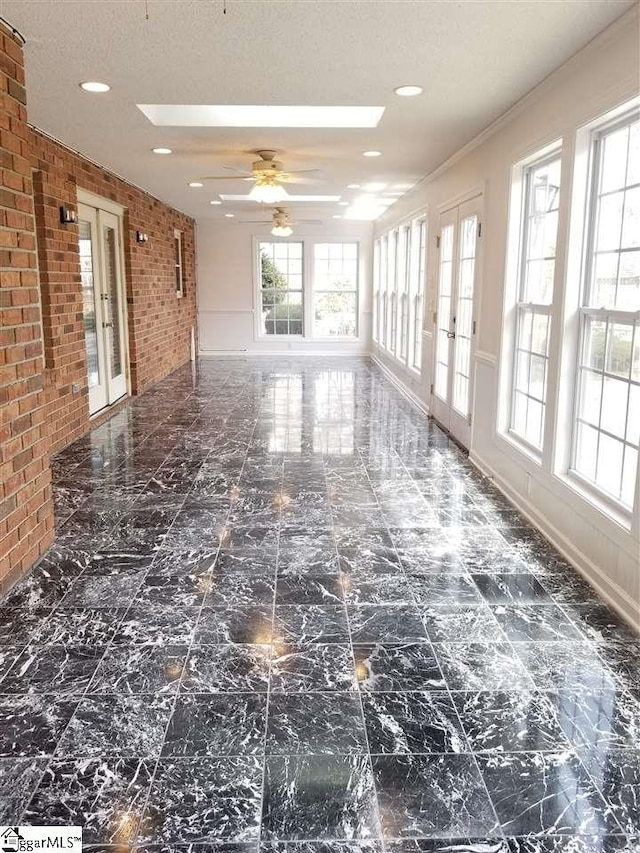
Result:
[
  {"x": 103, "y": 306},
  {"x": 454, "y": 327}
]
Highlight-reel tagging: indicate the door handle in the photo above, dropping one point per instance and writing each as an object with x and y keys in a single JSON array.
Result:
[
  {"x": 107, "y": 325},
  {"x": 451, "y": 335}
]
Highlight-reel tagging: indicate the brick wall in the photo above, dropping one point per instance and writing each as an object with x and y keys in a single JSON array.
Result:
[
  {"x": 44, "y": 401},
  {"x": 26, "y": 510},
  {"x": 159, "y": 323}
]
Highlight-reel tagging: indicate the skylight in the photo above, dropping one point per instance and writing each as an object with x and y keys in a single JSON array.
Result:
[
  {"x": 290, "y": 197},
  {"x": 235, "y": 115}
]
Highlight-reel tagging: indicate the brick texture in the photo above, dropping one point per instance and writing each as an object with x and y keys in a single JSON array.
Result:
[
  {"x": 43, "y": 370},
  {"x": 159, "y": 324},
  {"x": 26, "y": 508}
]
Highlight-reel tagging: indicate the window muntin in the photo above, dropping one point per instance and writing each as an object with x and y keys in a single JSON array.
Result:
[
  {"x": 534, "y": 297},
  {"x": 281, "y": 288},
  {"x": 607, "y": 416},
  {"x": 178, "y": 263},
  {"x": 335, "y": 289}
]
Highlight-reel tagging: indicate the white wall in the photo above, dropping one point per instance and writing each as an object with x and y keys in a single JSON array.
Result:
[
  {"x": 603, "y": 75},
  {"x": 227, "y": 288}
]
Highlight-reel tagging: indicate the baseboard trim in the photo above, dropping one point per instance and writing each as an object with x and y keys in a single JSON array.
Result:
[
  {"x": 610, "y": 592},
  {"x": 399, "y": 384}
]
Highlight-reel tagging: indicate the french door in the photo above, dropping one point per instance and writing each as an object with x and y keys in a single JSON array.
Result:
[
  {"x": 455, "y": 324},
  {"x": 103, "y": 305}
]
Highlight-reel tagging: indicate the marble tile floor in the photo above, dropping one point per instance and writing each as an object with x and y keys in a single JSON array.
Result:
[{"x": 284, "y": 614}]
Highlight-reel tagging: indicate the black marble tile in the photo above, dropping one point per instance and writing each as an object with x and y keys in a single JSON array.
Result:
[
  {"x": 157, "y": 624},
  {"x": 104, "y": 796},
  {"x": 407, "y": 667},
  {"x": 597, "y": 721},
  {"x": 321, "y": 847},
  {"x": 116, "y": 725},
  {"x": 53, "y": 669},
  {"x": 19, "y": 777},
  {"x": 618, "y": 780},
  {"x": 302, "y": 624},
  {"x": 315, "y": 723},
  {"x": 460, "y": 623},
  {"x": 444, "y": 589},
  {"x": 181, "y": 590},
  {"x": 309, "y": 589},
  {"x": 140, "y": 669},
  {"x": 539, "y": 793},
  {"x": 203, "y": 799},
  {"x": 431, "y": 795},
  {"x": 517, "y": 721},
  {"x": 227, "y": 669},
  {"x": 32, "y": 725},
  {"x": 371, "y": 560},
  {"x": 424, "y": 722},
  {"x": 571, "y": 666},
  {"x": 512, "y": 589},
  {"x": 386, "y": 624},
  {"x": 235, "y": 624},
  {"x": 220, "y": 724},
  {"x": 482, "y": 666},
  {"x": 73, "y": 626},
  {"x": 319, "y": 797},
  {"x": 301, "y": 667},
  {"x": 376, "y": 589},
  {"x": 184, "y": 559},
  {"x": 574, "y": 844},
  {"x": 522, "y": 623}
]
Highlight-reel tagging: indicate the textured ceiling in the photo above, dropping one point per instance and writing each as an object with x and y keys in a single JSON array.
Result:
[{"x": 474, "y": 60}]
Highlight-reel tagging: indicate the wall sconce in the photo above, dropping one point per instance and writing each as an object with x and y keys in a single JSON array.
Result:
[
  {"x": 67, "y": 215},
  {"x": 141, "y": 237}
]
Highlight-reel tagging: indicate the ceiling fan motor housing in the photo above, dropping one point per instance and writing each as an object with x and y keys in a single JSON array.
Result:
[{"x": 267, "y": 165}]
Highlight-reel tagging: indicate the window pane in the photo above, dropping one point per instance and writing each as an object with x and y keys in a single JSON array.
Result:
[
  {"x": 281, "y": 288},
  {"x": 335, "y": 282}
]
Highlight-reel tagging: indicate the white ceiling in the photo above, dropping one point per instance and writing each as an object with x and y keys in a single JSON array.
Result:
[{"x": 474, "y": 59}]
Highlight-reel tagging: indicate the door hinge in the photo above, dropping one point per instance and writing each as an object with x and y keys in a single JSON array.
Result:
[
  {"x": 435, "y": 317},
  {"x": 479, "y": 229},
  {"x": 438, "y": 242},
  {"x": 469, "y": 419},
  {"x": 474, "y": 327},
  {"x": 431, "y": 389}
]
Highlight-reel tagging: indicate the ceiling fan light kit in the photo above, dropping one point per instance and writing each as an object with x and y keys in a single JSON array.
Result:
[{"x": 267, "y": 190}]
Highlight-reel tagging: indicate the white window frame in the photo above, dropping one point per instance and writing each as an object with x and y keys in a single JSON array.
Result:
[
  {"x": 587, "y": 313},
  {"x": 308, "y": 290},
  {"x": 315, "y": 291},
  {"x": 536, "y": 308},
  {"x": 375, "y": 319},
  {"x": 178, "y": 238},
  {"x": 399, "y": 291}
]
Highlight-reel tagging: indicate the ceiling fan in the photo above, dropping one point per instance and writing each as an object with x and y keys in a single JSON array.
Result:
[
  {"x": 281, "y": 221},
  {"x": 268, "y": 175}
]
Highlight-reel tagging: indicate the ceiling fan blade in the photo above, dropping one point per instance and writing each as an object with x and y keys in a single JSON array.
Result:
[
  {"x": 294, "y": 179},
  {"x": 307, "y": 222},
  {"x": 225, "y": 178},
  {"x": 240, "y": 171}
]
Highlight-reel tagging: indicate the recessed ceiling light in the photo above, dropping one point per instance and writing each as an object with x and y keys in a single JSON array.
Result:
[
  {"x": 215, "y": 201},
  {"x": 337, "y": 216},
  {"x": 343, "y": 204},
  {"x": 408, "y": 91},
  {"x": 353, "y": 186},
  {"x": 94, "y": 86},
  {"x": 229, "y": 215},
  {"x": 372, "y": 153},
  {"x": 162, "y": 151},
  {"x": 259, "y": 115},
  {"x": 196, "y": 184}
]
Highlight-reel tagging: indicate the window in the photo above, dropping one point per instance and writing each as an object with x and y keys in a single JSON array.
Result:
[
  {"x": 536, "y": 269},
  {"x": 335, "y": 289},
  {"x": 416, "y": 287},
  {"x": 399, "y": 280},
  {"x": 376, "y": 291},
  {"x": 179, "y": 269},
  {"x": 281, "y": 288},
  {"x": 607, "y": 412}
]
